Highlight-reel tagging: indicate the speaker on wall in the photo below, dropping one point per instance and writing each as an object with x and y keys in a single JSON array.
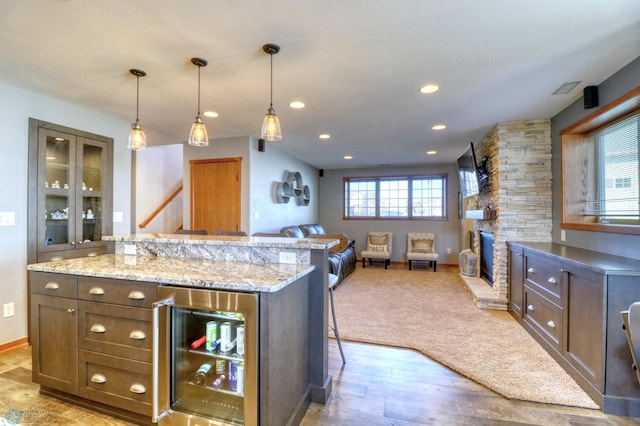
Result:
[
  {"x": 261, "y": 145},
  {"x": 590, "y": 97},
  {"x": 321, "y": 172}
]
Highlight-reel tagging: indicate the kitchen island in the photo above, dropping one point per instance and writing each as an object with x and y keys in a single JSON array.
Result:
[{"x": 73, "y": 301}]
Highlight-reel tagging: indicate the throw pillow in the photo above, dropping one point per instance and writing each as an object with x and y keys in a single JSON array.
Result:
[
  {"x": 378, "y": 240},
  {"x": 377, "y": 247},
  {"x": 422, "y": 246}
]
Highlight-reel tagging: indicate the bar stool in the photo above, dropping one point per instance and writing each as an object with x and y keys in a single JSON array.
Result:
[{"x": 333, "y": 281}]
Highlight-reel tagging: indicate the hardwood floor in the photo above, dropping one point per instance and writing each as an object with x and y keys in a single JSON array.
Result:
[{"x": 377, "y": 386}]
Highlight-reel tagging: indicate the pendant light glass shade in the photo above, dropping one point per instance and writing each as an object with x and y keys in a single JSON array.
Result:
[
  {"x": 198, "y": 134},
  {"x": 271, "y": 130},
  {"x": 137, "y": 138}
]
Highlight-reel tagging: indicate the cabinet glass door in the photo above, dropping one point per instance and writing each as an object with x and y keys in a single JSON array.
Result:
[
  {"x": 91, "y": 181},
  {"x": 59, "y": 175}
]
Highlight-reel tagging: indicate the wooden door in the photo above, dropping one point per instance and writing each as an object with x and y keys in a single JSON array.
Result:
[{"x": 215, "y": 194}]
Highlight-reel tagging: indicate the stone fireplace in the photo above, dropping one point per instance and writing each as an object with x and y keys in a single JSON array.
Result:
[{"x": 519, "y": 164}]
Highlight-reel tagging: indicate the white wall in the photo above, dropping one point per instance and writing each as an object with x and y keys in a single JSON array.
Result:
[
  {"x": 158, "y": 172},
  {"x": 16, "y": 106}
]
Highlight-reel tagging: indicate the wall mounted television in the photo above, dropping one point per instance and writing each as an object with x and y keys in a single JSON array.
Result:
[{"x": 468, "y": 173}]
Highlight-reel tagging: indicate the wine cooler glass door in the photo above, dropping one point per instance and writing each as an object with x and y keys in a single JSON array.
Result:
[{"x": 213, "y": 347}]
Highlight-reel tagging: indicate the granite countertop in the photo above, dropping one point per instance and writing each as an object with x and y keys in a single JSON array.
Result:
[
  {"x": 224, "y": 240},
  {"x": 222, "y": 275}
]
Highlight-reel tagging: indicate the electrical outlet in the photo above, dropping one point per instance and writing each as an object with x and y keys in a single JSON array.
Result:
[
  {"x": 563, "y": 235},
  {"x": 130, "y": 249},
  {"x": 8, "y": 310},
  {"x": 448, "y": 251},
  {"x": 287, "y": 257}
]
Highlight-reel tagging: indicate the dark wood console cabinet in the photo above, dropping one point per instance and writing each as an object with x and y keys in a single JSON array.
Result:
[{"x": 569, "y": 300}]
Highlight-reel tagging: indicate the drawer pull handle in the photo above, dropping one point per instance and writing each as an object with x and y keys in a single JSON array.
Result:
[
  {"x": 71, "y": 310},
  {"x": 97, "y": 291},
  {"x": 98, "y": 328},
  {"x": 57, "y": 258},
  {"x": 137, "y": 388},
  {"x": 530, "y": 308},
  {"x": 98, "y": 378},
  {"x": 137, "y": 335},
  {"x": 552, "y": 281},
  {"x": 531, "y": 271},
  {"x": 551, "y": 324},
  {"x": 136, "y": 295},
  {"x": 52, "y": 285}
]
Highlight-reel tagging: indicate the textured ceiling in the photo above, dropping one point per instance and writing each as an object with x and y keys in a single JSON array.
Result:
[{"x": 357, "y": 65}]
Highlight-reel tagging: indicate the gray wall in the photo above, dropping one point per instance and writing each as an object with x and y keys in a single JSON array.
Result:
[
  {"x": 446, "y": 231},
  {"x": 623, "y": 81},
  {"x": 260, "y": 173}
]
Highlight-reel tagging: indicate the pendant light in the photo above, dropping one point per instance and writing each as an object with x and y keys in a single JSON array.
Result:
[
  {"x": 271, "y": 130},
  {"x": 198, "y": 134},
  {"x": 137, "y": 138}
]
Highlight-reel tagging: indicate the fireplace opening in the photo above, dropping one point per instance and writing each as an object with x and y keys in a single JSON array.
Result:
[{"x": 486, "y": 256}]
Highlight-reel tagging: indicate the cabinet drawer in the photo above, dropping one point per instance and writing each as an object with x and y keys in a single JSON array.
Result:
[
  {"x": 121, "y": 292},
  {"x": 48, "y": 256},
  {"x": 544, "y": 315},
  {"x": 60, "y": 285},
  {"x": 115, "y": 381},
  {"x": 545, "y": 273},
  {"x": 115, "y": 330}
]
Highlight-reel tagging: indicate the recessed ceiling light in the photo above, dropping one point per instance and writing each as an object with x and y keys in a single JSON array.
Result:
[
  {"x": 566, "y": 88},
  {"x": 210, "y": 114},
  {"x": 324, "y": 136},
  {"x": 297, "y": 104},
  {"x": 432, "y": 152},
  {"x": 348, "y": 157},
  {"x": 439, "y": 127},
  {"x": 429, "y": 88}
]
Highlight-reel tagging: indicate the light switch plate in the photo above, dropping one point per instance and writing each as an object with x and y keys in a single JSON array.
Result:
[
  {"x": 118, "y": 217},
  {"x": 7, "y": 218}
]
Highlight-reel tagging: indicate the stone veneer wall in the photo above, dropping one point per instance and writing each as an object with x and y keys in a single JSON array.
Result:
[{"x": 519, "y": 154}]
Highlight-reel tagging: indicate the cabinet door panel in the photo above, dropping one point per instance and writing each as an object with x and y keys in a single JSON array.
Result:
[
  {"x": 516, "y": 279},
  {"x": 53, "y": 336},
  {"x": 584, "y": 324}
]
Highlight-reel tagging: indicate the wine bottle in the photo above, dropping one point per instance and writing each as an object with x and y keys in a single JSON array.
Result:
[{"x": 201, "y": 375}]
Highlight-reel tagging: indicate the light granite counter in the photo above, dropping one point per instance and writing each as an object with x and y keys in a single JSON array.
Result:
[{"x": 221, "y": 275}]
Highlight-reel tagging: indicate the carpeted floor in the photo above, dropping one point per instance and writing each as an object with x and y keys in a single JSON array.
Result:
[{"x": 434, "y": 314}]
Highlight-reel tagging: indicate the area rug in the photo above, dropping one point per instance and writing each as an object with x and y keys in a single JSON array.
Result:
[{"x": 434, "y": 314}]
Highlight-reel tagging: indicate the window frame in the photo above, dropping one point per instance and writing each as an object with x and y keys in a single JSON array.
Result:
[
  {"x": 443, "y": 177},
  {"x": 578, "y": 159}
]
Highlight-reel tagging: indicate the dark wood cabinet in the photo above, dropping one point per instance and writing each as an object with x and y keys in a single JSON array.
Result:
[
  {"x": 92, "y": 339},
  {"x": 516, "y": 279},
  {"x": 571, "y": 304},
  {"x": 70, "y": 192},
  {"x": 53, "y": 331}
]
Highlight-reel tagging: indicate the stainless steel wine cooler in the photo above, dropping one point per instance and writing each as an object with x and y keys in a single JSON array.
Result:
[{"x": 205, "y": 357}]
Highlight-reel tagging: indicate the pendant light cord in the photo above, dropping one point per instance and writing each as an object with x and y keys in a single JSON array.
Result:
[
  {"x": 199, "y": 89},
  {"x": 137, "y": 96},
  {"x": 271, "y": 95}
]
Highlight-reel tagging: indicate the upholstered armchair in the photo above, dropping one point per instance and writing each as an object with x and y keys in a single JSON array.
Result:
[
  {"x": 421, "y": 246},
  {"x": 379, "y": 246}
]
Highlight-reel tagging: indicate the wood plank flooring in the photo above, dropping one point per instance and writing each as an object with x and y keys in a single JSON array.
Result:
[{"x": 377, "y": 386}]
